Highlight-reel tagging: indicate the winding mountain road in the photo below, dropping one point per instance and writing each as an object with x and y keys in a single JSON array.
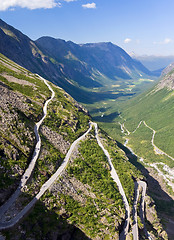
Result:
[
  {"x": 134, "y": 213},
  {"x": 31, "y": 166},
  {"x": 45, "y": 186},
  {"x": 138, "y": 185},
  {"x": 169, "y": 175},
  {"x": 143, "y": 185},
  {"x": 27, "y": 174},
  {"x": 120, "y": 187},
  {"x": 156, "y": 149},
  {"x": 12, "y": 222}
]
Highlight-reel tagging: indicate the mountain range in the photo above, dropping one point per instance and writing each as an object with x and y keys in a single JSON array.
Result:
[
  {"x": 77, "y": 68},
  {"x": 84, "y": 202}
]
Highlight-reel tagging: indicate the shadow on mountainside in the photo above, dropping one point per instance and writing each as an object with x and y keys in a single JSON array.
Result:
[
  {"x": 99, "y": 110},
  {"x": 44, "y": 224},
  {"x": 106, "y": 118},
  {"x": 164, "y": 203},
  {"x": 85, "y": 96}
]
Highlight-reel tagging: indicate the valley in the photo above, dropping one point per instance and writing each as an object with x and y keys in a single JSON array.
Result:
[
  {"x": 90, "y": 73},
  {"x": 41, "y": 181},
  {"x": 144, "y": 124},
  {"x": 86, "y": 142},
  {"x": 41, "y": 187}
]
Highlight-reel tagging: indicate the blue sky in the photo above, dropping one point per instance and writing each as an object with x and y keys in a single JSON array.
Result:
[{"x": 140, "y": 26}]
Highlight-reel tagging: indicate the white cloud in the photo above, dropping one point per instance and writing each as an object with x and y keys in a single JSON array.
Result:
[
  {"x": 127, "y": 40},
  {"x": 166, "y": 41},
  {"x": 31, "y": 4},
  {"x": 89, "y": 5}
]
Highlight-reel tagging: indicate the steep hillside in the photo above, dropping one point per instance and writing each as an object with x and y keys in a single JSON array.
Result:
[
  {"x": 55, "y": 167},
  {"x": 107, "y": 58},
  {"x": 155, "y": 107},
  {"x": 21, "y": 49},
  {"x": 84, "y": 202},
  {"x": 89, "y": 72},
  {"x": 147, "y": 126},
  {"x": 144, "y": 126},
  {"x": 22, "y": 97}
]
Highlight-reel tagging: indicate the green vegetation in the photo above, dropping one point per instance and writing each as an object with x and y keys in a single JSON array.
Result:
[
  {"x": 125, "y": 170},
  {"x": 45, "y": 222},
  {"x": 156, "y": 110},
  {"x": 101, "y": 208},
  {"x": 38, "y": 84},
  {"x": 140, "y": 142},
  {"x": 98, "y": 208},
  {"x": 46, "y": 165},
  {"x": 65, "y": 118},
  {"x": 9, "y": 175},
  {"x": 91, "y": 168}
]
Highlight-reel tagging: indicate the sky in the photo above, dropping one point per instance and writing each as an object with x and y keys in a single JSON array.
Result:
[{"x": 144, "y": 27}]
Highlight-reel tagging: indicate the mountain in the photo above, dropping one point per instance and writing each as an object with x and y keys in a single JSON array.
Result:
[
  {"x": 84, "y": 202},
  {"x": 87, "y": 71},
  {"x": 153, "y": 106},
  {"x": 21, "y": 49},
  {"x": 105, "y": 57},
  {"x": 68, "y": 201},
  {"x": 148, "y": 119},
  {"x": 168, "y": 69},
  {"x": 79, "y": 200}
]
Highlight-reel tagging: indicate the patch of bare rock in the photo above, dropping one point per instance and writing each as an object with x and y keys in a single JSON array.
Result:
[
  {"x": 18, "y": 81},
  {"x": 55, "y": 139}
]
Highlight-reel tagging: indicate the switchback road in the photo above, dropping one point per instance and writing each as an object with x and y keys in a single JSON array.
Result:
[
  {"x": 120, "y": 187},
  {"x": 31, "y": 166},
  {"x": 47, "y": 184}
]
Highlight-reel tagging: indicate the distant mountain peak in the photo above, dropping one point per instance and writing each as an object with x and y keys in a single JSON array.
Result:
[
  {"x": 72, "y": 66},
  {"x": 167, "y": 80}
]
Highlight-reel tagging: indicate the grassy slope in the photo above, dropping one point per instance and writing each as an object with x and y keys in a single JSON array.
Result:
[
  {"x": 99, "y": 215},
  {"x": 157, "y": 110},
  {"x": 23, "y": 119},
  {"x": 15, "y": 138},
  {"x": 65, "y": 118}
]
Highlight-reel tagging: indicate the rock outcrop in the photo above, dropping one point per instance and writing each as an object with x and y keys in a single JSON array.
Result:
[{"x": 55, "y": 139}]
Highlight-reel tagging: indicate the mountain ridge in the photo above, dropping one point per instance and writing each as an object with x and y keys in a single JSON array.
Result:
[
  {"x": 94, "y": 53},
  {"x": 83, "y": 207},
  {"x": 78, "y": 69}
]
